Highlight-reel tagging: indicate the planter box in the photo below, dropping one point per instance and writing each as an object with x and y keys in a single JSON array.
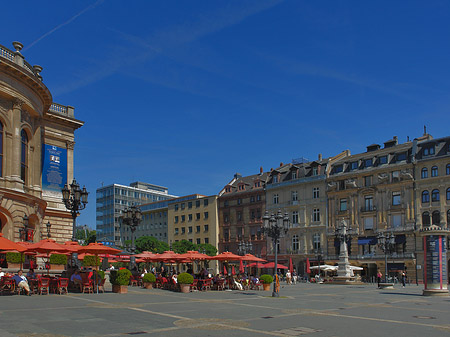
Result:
[
  {"x": 59, "y": 267},
  {"x": 13, "y": 265},
  {"x": 120, "y": 289},
  {"x": 266, "y": 286},
  {"x": 148, "y": 285},
  {"x": 185, "y": 288}
]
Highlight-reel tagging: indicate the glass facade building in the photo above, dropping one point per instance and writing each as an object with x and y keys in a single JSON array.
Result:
[{"x": 112, "y": 199}]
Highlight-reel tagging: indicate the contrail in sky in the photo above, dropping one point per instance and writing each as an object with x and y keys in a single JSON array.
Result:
[{"x": 64, "y": 23}]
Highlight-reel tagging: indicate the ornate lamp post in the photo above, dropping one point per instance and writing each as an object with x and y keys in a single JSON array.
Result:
[
  {"x": 245, "y": 247},
  {"x": 275, "y": 226},
  {"x": 386, "y": 241},
  {"x": 131, "y": 217},
  {"x": 318, "y": 252},
  {"x": 75, "y": 199},
  {"x": 342, "y": 233},
  {"x": 49, "y": 225}
]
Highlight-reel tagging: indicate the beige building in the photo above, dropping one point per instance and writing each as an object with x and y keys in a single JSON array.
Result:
[
  {"x": 374, "y": 192},
  {"x": 299, "y": 189},
  {"x": 36, "y": 153},
  {"x": 193, "y": 218},
  {"x": 432, "y": 185}
]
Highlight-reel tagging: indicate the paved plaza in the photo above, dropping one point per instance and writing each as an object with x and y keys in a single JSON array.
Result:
[{"x": 302, "y": 310}]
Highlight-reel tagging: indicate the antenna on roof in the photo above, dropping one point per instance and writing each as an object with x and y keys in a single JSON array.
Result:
[{"x": 424, "y": 130}]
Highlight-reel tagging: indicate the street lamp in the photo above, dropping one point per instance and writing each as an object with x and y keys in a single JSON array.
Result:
[
  {"x": 245, "y": 247},
  {"x": 275, "y": 226},
  {"x": 131, "y": 217},
  {"x": 75, "y": 199},
  {"x": 48, "y": 229},
  {"x": 386, "y": 241}
]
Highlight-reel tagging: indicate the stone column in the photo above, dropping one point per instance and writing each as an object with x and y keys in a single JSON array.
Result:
[
  {"x": 70, "y": 169},
  {"x": 14, "y": 172}
]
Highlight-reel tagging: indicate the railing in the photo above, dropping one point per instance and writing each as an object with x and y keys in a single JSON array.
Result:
[
  {"x": 62, "y": 110},
  {"x": 6, "y": 53},
  {"x": 19, "y": 60},
  {"x": 368, "y": 209}
]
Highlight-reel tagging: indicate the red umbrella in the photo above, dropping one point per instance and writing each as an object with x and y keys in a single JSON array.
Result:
[
  {"x": 233, "y": 272},
  {"x": 6, "y": 244},
  {"x": 225, "y": 272},
  {"x": 252, "y": 258},
  {"x": 72, "y": 246},
  {"x": 168, "y": 256},
  {"x": 47, "y": 246},
  {"x": 257, "y": 265},
  {"x": 272, "y": 265},
  {"x": 308, "y": 266},
  {"x": 226, "y": 256},
  {"x": 241, "y": 267},
  {"x": 193, "y": 256},
  {"x": 147, "y": 256},
  {"x": 291, "y": 267}
]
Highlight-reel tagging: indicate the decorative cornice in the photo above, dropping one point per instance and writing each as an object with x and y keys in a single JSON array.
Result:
[
  {"x": 18, "y": 103},
  {"x": 70, "y": 145}
]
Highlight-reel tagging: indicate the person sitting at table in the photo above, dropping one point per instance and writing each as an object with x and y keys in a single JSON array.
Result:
[
  {"x": 21, "y": 282},
  {"x": 76, "y": 279},
  {"x": 31, "y": 273},
  {"x": 1, "y": 273}
]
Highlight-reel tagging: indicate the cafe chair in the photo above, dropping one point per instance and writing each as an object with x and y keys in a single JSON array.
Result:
[
  {"x": 44, "y": 285},
  {"x": 87, "y": 286},
  {"x": 101, "y": 285},
  {"x": 63, "y": 285}
]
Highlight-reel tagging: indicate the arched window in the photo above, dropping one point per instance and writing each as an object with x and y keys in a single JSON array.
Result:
[
  {"x": 435, "y": 195},
  {"x": 1, "y": 149},
  {"x": 448, "y": 193},
  {"x": 24, "y": 156},
  {"x": 426, "y": 219},
  {"x": 424, "y": 173},
  {"x": 425, "y": 196},
  {"x": 436, "y": 218},
  {"x": 434, "y": 171},
  {"x": 447, "y": 169}
]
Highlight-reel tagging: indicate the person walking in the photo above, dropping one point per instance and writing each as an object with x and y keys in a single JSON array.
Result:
[
  {"x": 403, "y": 279},
  {"x": 379, "y": 276}
]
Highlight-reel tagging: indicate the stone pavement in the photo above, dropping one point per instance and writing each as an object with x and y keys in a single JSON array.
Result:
[{"x": 303, "y": 310}]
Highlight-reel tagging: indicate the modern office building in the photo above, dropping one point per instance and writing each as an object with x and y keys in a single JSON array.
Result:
[
  {"x": 112, "y": 199},
  {"x": 36, "y": 152},
  {"x": 154, "y": 221}
]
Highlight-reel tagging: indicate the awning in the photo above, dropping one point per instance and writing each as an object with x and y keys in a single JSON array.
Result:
[{"x": 370, "y": 240}]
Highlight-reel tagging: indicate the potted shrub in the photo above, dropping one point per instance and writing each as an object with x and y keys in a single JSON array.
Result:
[
  {"x": 14, "y": 260},
  {"x": 120, "y": 280},
  {"x": 148, "y": 280},
  {"x": 58, "y": 261},
  {"x": 91, "y": 261},
  {"x": 185, "y": 280},
  {"x": 266, "y": 280}
]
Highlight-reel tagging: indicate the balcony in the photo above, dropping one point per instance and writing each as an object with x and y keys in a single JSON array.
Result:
[{"x": 368, "y": 208}]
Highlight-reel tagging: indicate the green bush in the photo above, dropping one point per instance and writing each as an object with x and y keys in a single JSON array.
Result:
[
  {"x": 185, "y": 278},
  {"x": 120, "y": 277},
  {"x": 58, "y": 259},
  {"x": 101, "y": 274},
  {"x": 91, "y": 261},
  {"x": 12, "y": 257},
  {"x": 149, "y": 278},
  {"x": 266, "y": 278}
]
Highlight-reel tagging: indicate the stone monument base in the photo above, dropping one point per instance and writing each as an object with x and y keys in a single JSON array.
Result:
[
  {"x": 386, "y": 285},
  {"x": 435, "y": 292},
  {"x": 347, "y": 280}
]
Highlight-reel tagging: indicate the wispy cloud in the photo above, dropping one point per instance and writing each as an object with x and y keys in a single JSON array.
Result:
[
  {"x": 203, "y": 24},
  {"x": 88, "y": 8}
]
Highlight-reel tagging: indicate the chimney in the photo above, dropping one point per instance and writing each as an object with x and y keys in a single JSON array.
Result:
[
  {"x": 261, "y": 171},
  {"x": 320, "y": 156},
  {"x": 237, "y": 176},
  {"x": 281, "y": 164}
]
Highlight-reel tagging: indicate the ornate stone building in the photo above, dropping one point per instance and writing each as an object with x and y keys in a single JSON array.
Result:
[
  {"x": 241, "y": 207},
  {"x": 299, "y": 189},
  {"x": 36, "y": 152},
  {"x": 374, "y": 192}
]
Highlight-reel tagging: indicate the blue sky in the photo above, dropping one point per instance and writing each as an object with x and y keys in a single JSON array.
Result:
[{"x": 184, "y": 94}]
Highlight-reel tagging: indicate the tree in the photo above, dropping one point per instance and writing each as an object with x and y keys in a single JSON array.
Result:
[
  {"x": 207, "y": 249},
  {"x": 151, "y": 244},
  {"x": 183, "y": 246}
]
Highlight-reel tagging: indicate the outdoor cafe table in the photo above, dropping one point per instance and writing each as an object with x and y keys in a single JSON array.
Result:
[{"x": 202, "y": 283}]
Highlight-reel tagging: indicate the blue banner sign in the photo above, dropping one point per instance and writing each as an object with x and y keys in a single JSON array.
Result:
[
  {"x": 435, "y": 259},
  {"x": 54, "y": 168}
]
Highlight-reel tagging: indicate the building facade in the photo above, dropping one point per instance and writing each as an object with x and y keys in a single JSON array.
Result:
[
  {"x": 299, "y": 189},
  {"x": 36, "y": 152},
  {"x": 374, "y": 193},
  {"x": 432, "y": 185},
  {"x": 111, "y": 200},
  {"x": 193, "y": 218},
  {"x": 241, "y": 207},
  {"x": 154, "y": 221}
]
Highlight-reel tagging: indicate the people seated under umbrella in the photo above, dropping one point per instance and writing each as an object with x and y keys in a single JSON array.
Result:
[{"x": 22, "y": 282}]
